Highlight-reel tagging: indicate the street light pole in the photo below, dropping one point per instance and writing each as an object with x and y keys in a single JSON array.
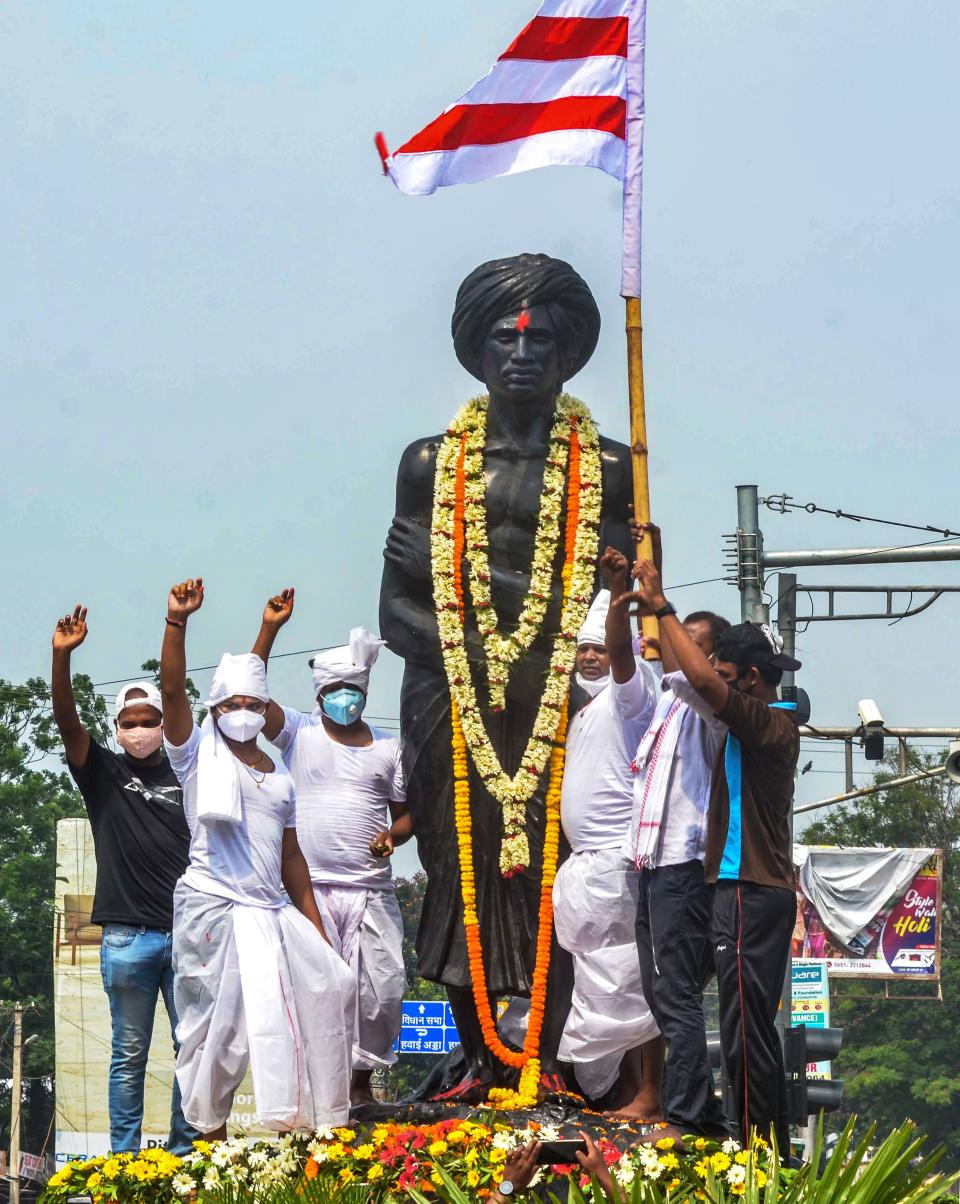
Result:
[{"x": 13, "y": 1167}]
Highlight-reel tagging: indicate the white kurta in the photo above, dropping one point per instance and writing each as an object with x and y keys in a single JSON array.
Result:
[
  {"x": 255, "y": 983},
  {"x": 594, "y": 895},
  {"x": 343, "y": 797}
]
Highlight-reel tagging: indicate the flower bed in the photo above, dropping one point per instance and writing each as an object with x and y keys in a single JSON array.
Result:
[{"x": 463, "y": 1160}]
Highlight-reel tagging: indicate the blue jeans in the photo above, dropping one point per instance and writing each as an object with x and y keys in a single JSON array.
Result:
[{"x": 135, "y": 964}]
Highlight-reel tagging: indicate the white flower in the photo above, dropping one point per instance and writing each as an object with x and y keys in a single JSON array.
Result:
[
  {"x": 730, "y": 1146},
  {"x": 211, "y": 1180},
  {"x": 736, "y": 1174},
  {"x": 183, "y": 1185}
]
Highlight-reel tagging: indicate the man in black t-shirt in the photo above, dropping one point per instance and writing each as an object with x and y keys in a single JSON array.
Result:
[{"x": 142, "y": 845}]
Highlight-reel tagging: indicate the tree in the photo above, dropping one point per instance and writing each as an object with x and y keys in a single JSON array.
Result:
[
  {"x": 899, "y": 1056},
  {"x": 33, "y": 797}
]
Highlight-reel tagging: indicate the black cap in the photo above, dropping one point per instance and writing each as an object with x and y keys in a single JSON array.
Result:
[{"x": 754, "y": 644}]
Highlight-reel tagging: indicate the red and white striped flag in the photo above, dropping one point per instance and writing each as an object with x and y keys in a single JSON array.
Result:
[{"x": 568, "y": 90}]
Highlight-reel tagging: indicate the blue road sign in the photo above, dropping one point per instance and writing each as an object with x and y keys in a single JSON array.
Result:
[{"x": 427, "y": 1027}]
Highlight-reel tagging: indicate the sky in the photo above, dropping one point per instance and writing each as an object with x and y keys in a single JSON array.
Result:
[{"x": 220, "y": 325}]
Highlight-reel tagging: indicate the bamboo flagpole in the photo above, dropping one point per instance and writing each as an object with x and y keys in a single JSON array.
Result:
[{"x": 638, "y": 443}]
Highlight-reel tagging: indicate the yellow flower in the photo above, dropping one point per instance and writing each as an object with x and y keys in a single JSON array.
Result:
[
  {"x": 497, "y": 1155},
  {"x": 473, "y": 1178},
  {"x": 110, "y": 1168},
  {"x": 673, "y": 1185},
  {"x": 345, "y": 1134},
  {"x": 700, "y": 1144},
  {"x": 375, "y": 1173},
  {"x": 741, "y": 1157},
  {"x": 471, "y": 1156},
  {"x": 719, "y": 1162},
  {"x": 363, "y": 1151},
  {"x": 761, "y": 1177},
  {"x": 202, "y": 1146},
  {"x": 437, "y": 1148},
  {"x": 347, "y": 1175},
  {"x": 95, "y": 1179},
  {"x": 669, "y": 1162},
  {"x": 335, "y": 1150},
  {"x": 665, "y": 1143},
  {"x": 737, "y": 1189},
  {"x": 456, "y": 1137},
  {"x": 700, "y": 1168},
  {"x": 760, "y": 1143},
  {"x": 436, "y": 1177}
]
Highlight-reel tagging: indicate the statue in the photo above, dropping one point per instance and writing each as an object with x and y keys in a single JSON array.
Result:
[{"x": 523, "y": 326}]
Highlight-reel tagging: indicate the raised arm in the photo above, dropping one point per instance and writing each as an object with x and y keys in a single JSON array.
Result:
[
  {"x": 183, "y": 600},
  {"x": 277, "y": 611},
  {"x": 70, "y": 633},
  {"x": 614, "y": 570},
  {"x": 694, "y": 665}
]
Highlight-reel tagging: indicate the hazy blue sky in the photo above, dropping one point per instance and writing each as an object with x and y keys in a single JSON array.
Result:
[{"x": 220, "y": 325}]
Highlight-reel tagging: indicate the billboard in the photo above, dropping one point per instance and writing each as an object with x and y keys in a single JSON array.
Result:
[
  {"x": 82, "y": 1019},
  {"x": 870, "y": 913},
  {"x": 810, "y": 998}
]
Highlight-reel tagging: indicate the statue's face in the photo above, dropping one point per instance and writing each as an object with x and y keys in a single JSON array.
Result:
[{"x": 521, "y": 357}]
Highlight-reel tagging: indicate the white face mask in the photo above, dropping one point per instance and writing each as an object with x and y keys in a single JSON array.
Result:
[
  {"x": 139, "y": 742},
  {"x": 240, "y": 725},
  {"x": 593, "y": 688}
]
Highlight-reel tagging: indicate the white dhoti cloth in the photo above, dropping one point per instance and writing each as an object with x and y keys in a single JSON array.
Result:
[
  {"x": 366, "y": 929},
  {"x": 594, "y": 912},
  {"x": 259, "y": 986}
]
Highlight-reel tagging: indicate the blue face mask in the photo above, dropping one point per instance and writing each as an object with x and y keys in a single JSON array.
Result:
[{"x": 343, "y": 706}]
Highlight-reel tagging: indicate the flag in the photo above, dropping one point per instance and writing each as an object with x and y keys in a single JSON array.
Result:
[{"x": 567, "y": 91}]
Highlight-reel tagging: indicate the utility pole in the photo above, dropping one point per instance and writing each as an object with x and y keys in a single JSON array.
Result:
[
  {"x": 787, "y": 628},
  {"x": 13, "y": 1167}
]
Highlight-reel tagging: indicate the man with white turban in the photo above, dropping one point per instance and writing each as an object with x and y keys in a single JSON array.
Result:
[
  {"x": 351, "y": 815},
  {"x": 257, "y": 982},
  {"x": 610, "y": 1030}
]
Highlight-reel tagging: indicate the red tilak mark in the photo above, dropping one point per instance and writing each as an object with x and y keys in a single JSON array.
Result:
[{"x": 523, "y": 320}]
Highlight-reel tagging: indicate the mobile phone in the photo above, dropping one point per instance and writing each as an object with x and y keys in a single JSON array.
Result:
[{"x": 561, "y": 1151}]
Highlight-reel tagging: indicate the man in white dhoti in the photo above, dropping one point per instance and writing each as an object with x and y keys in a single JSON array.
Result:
[
  {"x": 256, "y": 981},
  {"x": 351, "y": 815},
  {"x": 610, "y": 1029}
]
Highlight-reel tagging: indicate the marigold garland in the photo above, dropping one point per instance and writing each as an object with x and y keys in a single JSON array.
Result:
[{"x": 458, "y": 533}]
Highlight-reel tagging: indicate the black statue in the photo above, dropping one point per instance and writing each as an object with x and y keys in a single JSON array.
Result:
[{"x": 524, "y": 365}]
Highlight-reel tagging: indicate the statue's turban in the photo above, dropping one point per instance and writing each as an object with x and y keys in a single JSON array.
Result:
[{"x": 503, "y": 287}]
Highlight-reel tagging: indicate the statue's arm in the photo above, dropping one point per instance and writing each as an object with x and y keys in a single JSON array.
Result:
[
  {"x": 407, "y": 619},
  {"x": 617, "y": 498}
]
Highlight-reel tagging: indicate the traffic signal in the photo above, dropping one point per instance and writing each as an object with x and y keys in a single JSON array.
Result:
[{"x": 806, "y": 1097}]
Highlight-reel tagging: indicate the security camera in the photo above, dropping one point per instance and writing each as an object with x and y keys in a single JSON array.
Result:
[
  {"x": 869, "y": 714},
  {"x": 872, "y": 722},
  {"x": 952, "y": 766}
]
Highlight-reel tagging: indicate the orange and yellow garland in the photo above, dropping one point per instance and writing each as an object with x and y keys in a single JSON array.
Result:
[{"x": 528, "y": 1059}]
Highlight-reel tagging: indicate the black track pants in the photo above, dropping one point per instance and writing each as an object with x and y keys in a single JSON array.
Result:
[
  {"x": 673, "y": 940},
  {"x": 751, "y": 931}
]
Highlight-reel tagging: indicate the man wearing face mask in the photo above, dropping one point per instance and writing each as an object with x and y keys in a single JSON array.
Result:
[
  {"x": 748, "y": 848},
  {"x": 257, "y": 982},
  {"x": 141, "y": 839},
  {"x": 350, "y": 787},
  {"x": 610, "y": 1032}
]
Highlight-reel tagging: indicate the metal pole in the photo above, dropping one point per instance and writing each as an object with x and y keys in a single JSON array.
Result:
[
  {"x": 814, "y": 557},
  {"x": 848, "y": 765},
  {"x": 855, "y": 732},
  {"x": 787, "y": 627},
  {"x": 638, "y": 444},
  {"x": 750, "y": 555},
  {"x": 865, "y": 790},
  {"x": 904, "y": 757},
  {"x": 13, "y": 1169}
]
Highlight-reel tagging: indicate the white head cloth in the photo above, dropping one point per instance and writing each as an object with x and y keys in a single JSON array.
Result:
[
  {"x": 152, "y": 699},
  {"x": 350, "y": 663},
  {"x": 594, "y": 629},
  {"x": 218, "y": 775}
]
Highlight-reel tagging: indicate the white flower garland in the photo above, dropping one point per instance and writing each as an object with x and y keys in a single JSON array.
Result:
[{"x": 513, "y": 793}]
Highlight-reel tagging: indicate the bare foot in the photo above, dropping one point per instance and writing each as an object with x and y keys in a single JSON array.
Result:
[{"x": 645, "y": 1106}]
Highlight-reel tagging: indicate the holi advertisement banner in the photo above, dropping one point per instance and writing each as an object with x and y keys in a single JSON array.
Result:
[
  {"x": 867, "y": 913},
  {"x": 82, "y": 1019}
]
